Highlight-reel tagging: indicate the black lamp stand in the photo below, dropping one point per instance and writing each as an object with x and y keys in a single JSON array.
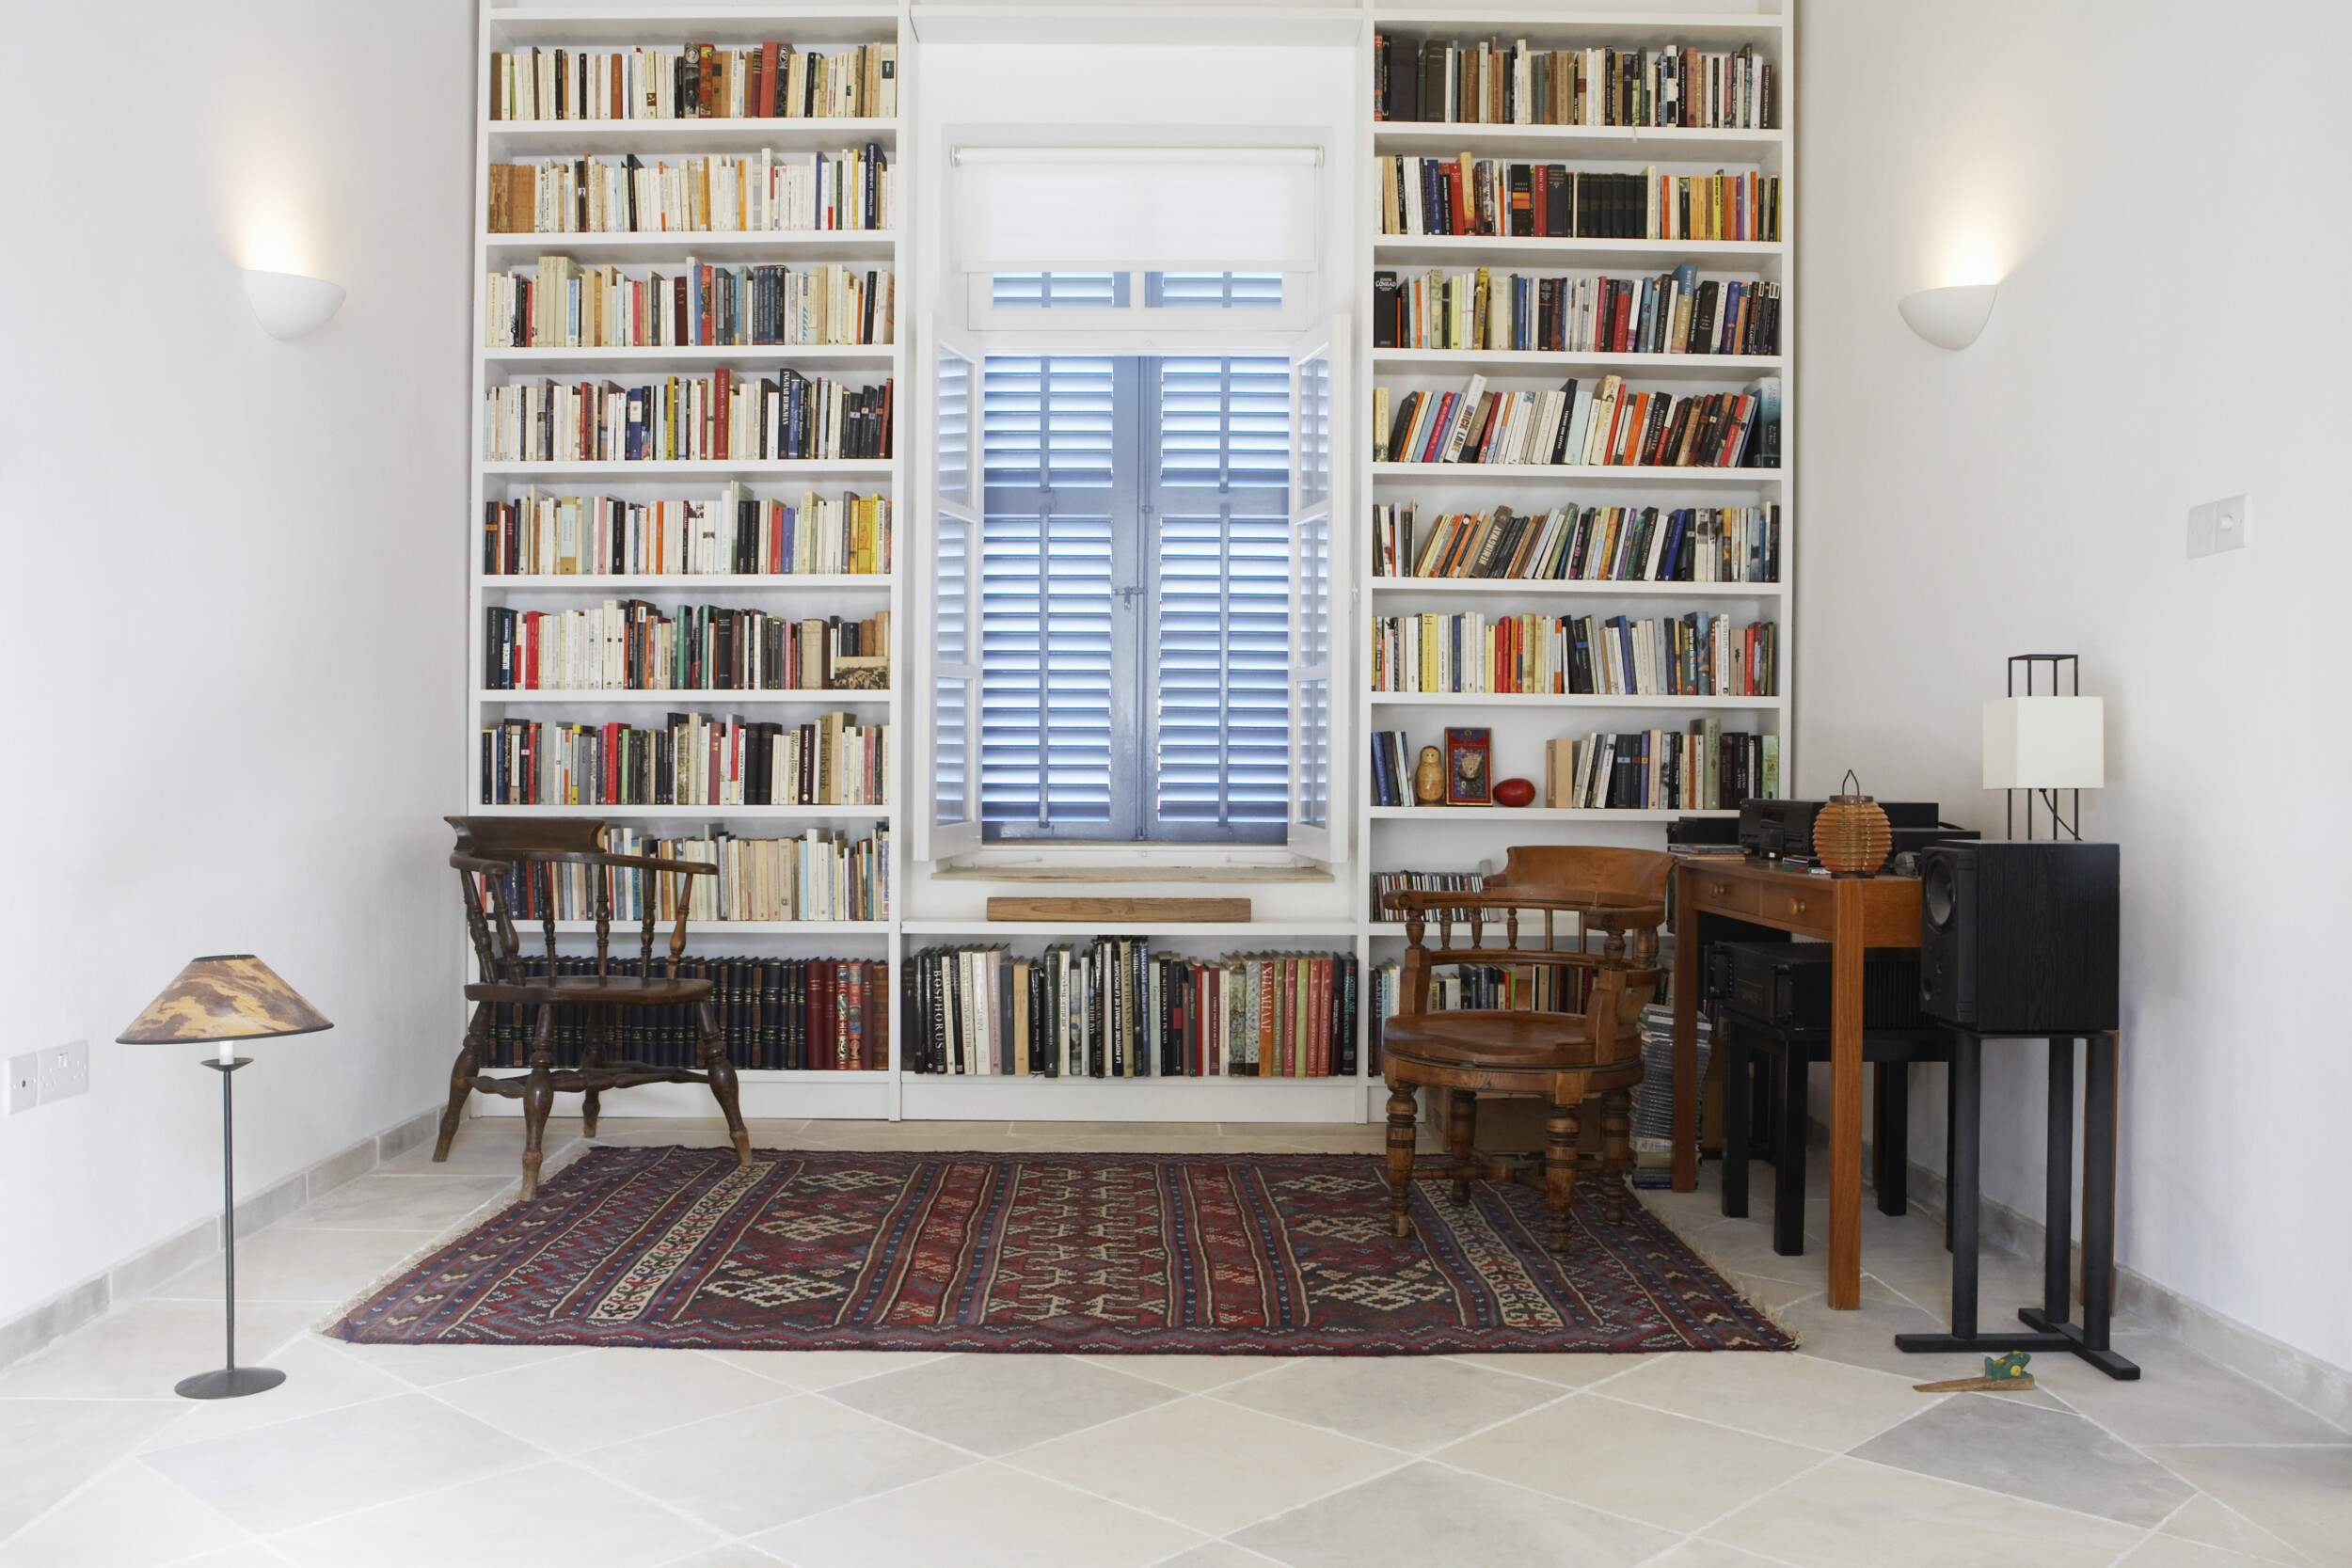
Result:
[{"x": 231, "y": 1381}]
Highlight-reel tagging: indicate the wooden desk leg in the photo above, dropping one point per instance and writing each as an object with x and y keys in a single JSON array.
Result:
[
  {"x": 1845, "y": 1102},
  {"x": 1687, "y": 961}
]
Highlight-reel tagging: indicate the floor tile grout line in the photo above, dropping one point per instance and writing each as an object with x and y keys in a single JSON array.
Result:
[
  {"x": 2013, "y": 1497},
  {"x": 105, "y": 1470},
  {"x": 1765, "y": 1436}
]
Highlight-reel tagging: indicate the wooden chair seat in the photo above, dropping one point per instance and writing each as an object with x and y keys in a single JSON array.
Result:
[
  {"x": 1492, "y": 1037},
  {"x": 1565, "y": 1058},
  {"x": 493, "y": 852},
  {"x": 590, "y": 991}
]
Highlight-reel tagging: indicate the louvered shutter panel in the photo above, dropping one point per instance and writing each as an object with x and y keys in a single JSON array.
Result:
[
  {"x": 1220, "y": 640},
  {"x": 1317, "y": 721},
  {"x": 951, "y": 819}
]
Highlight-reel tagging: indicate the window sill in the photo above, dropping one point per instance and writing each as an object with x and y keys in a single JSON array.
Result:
[{"x": 1125, "y": 862}]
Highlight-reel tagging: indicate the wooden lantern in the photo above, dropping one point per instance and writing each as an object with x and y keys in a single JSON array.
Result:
[{"x": 1851, "y": 837}]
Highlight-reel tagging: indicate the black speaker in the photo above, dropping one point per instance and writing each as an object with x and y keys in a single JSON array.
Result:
[{"x": 2021, "y": 938}]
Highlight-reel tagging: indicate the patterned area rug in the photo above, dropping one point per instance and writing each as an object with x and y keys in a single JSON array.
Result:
[{"x": 1281, "y": 1254}]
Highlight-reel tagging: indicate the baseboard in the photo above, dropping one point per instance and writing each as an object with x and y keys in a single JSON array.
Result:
[
  {"x": 2319, "y": 1386},
  {"x": 31, "y": 1332}
]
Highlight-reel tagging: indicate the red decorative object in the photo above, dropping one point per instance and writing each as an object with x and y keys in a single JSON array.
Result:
[
  {"x": 1514, "y": 792},
  {"x": 1280, "y": 1255}
]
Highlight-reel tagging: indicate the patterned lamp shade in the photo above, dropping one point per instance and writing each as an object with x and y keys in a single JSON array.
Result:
[
  {"x": 1851, "y": 836},
  {"x": 227, "y": 996}
]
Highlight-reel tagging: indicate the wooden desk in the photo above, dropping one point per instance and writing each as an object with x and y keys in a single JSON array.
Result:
[{"x": 1853, "y": 914}]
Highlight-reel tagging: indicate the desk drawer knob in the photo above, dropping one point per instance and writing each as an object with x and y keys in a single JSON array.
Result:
[
  {"x": 1720, "y": 890},
  {"x": 1796, "y": 906}
]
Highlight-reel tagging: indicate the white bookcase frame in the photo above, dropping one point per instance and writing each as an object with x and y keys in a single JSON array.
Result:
[
  {"x": 1444, "y": 839},
  {"x": 872, "y": 1093},
  {"x": 1461, "y": 838}
]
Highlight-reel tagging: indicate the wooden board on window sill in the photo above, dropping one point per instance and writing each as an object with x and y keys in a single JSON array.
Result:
[{"x": 1228, "y": 910}]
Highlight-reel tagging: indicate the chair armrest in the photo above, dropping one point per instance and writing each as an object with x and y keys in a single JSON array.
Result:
[{"x": 1594, "y": 909}]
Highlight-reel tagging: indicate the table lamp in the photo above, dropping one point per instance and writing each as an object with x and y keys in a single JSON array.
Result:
[
  {"x": 227, "y": 997},
  {"x": 2046, "y": 742}
]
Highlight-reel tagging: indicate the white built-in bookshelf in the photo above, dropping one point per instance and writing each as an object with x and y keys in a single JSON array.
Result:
[
  {"x": 1462, "y": 839},
  {"x": 1377, "y": 838},
  {"x": 827, "y": 28}
]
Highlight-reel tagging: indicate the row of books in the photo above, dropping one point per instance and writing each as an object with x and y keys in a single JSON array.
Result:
[
  {"x": 721, "y": 417},
  {"x": 1606, "y": 422},
  {"x": 692, "y": 759},
  {"x": 696, "y": 81},
  {"x": 1709, "y": 769},
  {"x": 1504, "y": 198},
  {"x": 1695, "y": 655},
  {"x": 544, "y": 534},
  {"x": 822, "y": 875},
  {"x": 1393, "y": 766},
  {"x": 717, "y": 192},
  {"x": 1492, "y": 83},
  {"x": 1113, "y": 1009},
  {"x": 1607, "y": 544},
  {"x": 1674, "y": 312},
  {"x": 758, "y": 879},
  {"x": 559, "y": 304},
  {"x": 799, "y": 1013},
  {"x": 631, "y": 645}
]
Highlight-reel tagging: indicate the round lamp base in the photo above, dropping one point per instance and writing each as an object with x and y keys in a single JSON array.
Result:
[{"x": 228, "y": 1383}]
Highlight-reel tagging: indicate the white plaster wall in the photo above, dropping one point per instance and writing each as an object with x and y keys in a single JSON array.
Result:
[
  {"x": 234, "y": 623},
  {"x": 2162, "y": 222}
]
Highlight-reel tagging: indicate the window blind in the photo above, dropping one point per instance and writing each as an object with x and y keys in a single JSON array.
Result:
[{"x": 1134, "y": 207}]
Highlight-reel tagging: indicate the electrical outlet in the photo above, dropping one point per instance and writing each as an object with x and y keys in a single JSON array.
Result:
[
  {"x": 2218, "y": 526},
  {"x": 23, "y": 1081},
  {"x": 64, "y": 1072}
]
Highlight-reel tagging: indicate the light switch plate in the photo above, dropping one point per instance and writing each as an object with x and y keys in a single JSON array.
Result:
[
  {"x": 23, "y": 1081},
  {"x": 2218, "y": 526}
]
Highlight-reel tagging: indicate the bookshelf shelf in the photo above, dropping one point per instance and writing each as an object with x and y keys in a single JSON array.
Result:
[
  {"x": 837, "y": 356},
  {"x": 1532, "y": 699},
  {"x": 718, "y": 927},
  {"x": 1658, "y": 144},
  {"x": 1533, "y": 362},
  {"x": 721, "y": 697},
  {"x": 1442, "y": 251},
  {"x": 829, "y": 26},
  {"x": 820, "y": 467},
  {"x": 694, "y": 813},
  {"x": 787, "y": 245},
  {"x": 1062, "y": 931},
  {"x": 1543, "y": 473},
  {"x": 689, "y": 582},
  {"x": 1456, "y": 840},
  {"x": 1529, "y": 814},
  {"x": 1570, "y": 587},
  {"x": 538, "y": 138}
]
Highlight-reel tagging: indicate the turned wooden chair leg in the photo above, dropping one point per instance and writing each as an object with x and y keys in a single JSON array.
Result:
[
  {"x": 592, "y": 1058},
  {"x": 1403, "y": 1119},
  {"x": 461, "y": 1074},
  {"x": 1560, "y": 1133},
  {"x": 1461, "y": 1131},
  {"x": 538, "y": 1098},
  {"x": 1616, "y": 1143},
  {"x": 713, "y": 1060}
]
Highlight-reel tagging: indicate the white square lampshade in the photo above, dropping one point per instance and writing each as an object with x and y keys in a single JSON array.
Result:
[{"x": 2045, "y": 743}]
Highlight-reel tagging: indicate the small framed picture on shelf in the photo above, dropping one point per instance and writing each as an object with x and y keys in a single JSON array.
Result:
[{"x": 1468, "y": 770}]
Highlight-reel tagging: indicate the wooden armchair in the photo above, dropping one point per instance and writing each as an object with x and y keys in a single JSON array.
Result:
[
  {"x": 489, "y": 850},
  {"x": 1588, "y": 1049}
]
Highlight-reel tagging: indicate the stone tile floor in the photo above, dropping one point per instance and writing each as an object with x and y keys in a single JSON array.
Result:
[{"x": 453, "y": 1456}]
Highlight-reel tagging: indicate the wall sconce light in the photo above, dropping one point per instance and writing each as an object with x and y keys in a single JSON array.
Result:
[
  {"x": 1949, "y": 318},
  {"x": 288, "y": 304}
]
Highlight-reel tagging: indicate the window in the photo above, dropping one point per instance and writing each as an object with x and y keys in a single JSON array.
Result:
[
  {"x": 1059, "y": 291},
  {"x": 1109, "y": 301},
  {"x": 1134, "y": 596}
]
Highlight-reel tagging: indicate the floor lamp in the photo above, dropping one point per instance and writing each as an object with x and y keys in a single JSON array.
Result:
[{"x": 226, "y": 998}]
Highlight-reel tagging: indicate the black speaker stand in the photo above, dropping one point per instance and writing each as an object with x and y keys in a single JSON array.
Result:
[{"x": 2049, "y": 1322}]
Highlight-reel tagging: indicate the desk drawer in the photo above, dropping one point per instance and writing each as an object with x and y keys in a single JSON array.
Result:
[
  {"x": 1802, "y": 908},
  {"x": 1726, "y": 893}
]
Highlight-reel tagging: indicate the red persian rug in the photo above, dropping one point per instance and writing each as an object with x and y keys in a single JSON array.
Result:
[{"x": 1281, "y": 1255}]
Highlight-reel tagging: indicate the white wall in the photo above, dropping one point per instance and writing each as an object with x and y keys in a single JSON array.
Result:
[
  {"x": 234, "y": 624},
  {"x": 2162, "y": 223}
]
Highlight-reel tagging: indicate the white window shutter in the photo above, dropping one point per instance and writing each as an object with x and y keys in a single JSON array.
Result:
[
  {"x": 1318, "y": 716},
  {"x": 949, "y": 682}
]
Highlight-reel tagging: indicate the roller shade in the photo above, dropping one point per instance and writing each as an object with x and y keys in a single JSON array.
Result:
[{"x": 1145, "y": 208}]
